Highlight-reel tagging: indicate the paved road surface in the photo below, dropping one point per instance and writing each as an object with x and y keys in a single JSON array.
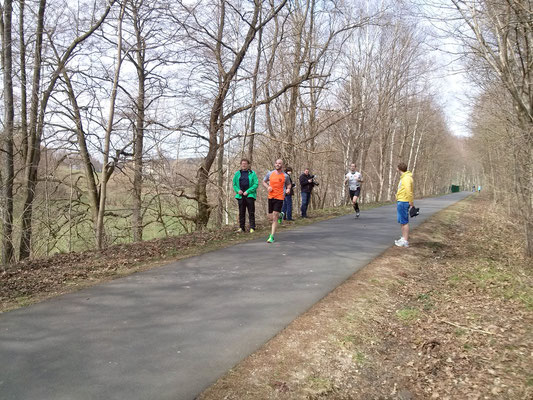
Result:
[{"x": 171, "y": 332}]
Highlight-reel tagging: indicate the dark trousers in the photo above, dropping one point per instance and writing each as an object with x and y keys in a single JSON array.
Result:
[
  {"x": 306, "y": 197},
  {"x": 246, "y": 203},
  {"x": 287, "y": 207}
]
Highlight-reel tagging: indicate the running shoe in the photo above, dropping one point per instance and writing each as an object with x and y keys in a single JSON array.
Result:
[
  {"x": 357, "y": 214},
  {"x": 401, "y": 243},
  {"x": 270, "y": 239},
  {"x": 252, "y": 230},
  {"x": 280, "y": 219}
]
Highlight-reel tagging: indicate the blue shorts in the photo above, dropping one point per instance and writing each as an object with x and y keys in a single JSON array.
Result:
[{"x": 402, "y": 209}]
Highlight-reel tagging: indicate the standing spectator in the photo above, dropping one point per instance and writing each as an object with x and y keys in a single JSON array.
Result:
[
  {"x": 405, "y": 200},
  {"x": 245, "y": 185},
  {"x": 286, "y": 210},
  {"x": 307, "y": 183},
  {"x": 278, "y": 185},
  {"x": 354, "y": 179}
]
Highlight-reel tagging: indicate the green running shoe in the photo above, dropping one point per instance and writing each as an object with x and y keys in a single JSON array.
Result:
[
  {"x": 280, "y": 219},
  {"x": 270, "y": 239}
]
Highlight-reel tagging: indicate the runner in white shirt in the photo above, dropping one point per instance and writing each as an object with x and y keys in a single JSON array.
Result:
[{"x": 354, "y": 180}]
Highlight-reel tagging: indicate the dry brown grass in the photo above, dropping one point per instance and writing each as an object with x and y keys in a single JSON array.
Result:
[{"x": 448, "y": 318}]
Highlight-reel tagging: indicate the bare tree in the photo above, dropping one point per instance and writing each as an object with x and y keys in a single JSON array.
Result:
[
  {"x": 39, "y": 102},
  {"x": 500, "y": 33},
  {"x": 7, "y": 148}
]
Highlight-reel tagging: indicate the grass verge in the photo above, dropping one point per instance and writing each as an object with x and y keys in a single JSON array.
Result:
[
  {"x": 34, "y": 280},
  {"x": 448, "y": 318}
]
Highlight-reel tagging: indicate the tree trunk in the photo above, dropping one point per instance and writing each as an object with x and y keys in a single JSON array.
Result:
[
  {"x": 84, "y": 152},
  {"x": 9, "y": 173},
  {"x": 108, "y": 168},
  {"x": 251, "y": 140},
  {"x": 34, "y": 142},
  {"x": 37, "y": 118},
  {"x": 220, "y": 178},
  {"x": 137, "y": 217},
  {"x": 23, "y": 84}
]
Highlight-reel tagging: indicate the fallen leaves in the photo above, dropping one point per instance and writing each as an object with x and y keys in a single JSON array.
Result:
[{"x": 452, "y": 320}]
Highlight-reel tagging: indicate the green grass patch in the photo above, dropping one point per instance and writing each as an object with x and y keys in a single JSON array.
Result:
[
  {"x": 320, "y": 386},
  {"x": 408, "y": 315},
  {"x": 24, "y": 301},
  {"x": 359, "y": 358},
  {"x": 426, "y": 300}
]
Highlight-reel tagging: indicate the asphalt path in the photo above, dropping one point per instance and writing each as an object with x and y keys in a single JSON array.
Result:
[{"x": 170, "y": 332}]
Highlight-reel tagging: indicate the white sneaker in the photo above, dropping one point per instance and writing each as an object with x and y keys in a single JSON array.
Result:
[{"x": 401, "y": 242}]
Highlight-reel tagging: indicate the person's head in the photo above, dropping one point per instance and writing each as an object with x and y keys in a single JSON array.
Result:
[
  {"x": 288, "y": 170},
  {"x": 352, "y": 167},
  {"x": 245, "y": 164},
  {"x": 402, "y": 167},
  {"x": 278, "y": 165},
  {"x": 306, "y": 171}
]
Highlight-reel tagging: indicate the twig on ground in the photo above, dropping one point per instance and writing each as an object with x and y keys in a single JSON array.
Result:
[{"x": 470, "y": 329}]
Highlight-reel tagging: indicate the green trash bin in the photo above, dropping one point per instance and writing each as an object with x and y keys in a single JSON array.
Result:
[{"x": 455, "y": 189}]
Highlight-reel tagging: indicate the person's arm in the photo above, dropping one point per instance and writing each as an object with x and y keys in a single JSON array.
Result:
[
  {"x": 288, "y": 184},
  {"x": 236, "y": 187},
  {"x": 410, "y": 192},
  {"x": 266, "y": 182}
]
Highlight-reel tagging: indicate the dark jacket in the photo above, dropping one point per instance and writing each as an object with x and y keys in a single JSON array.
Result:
[
  {"x": 305, "y": 185},
  {"x": 292, "y": 186}
]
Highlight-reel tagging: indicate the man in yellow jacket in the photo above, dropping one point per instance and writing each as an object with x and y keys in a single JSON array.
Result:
[{"x": 405, "y": 200}]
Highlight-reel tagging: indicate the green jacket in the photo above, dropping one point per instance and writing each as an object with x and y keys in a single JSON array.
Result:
[{"x": 254, "y": 183}]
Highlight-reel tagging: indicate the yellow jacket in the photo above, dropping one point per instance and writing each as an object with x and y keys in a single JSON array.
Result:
[{"x": 405, "y": 188}]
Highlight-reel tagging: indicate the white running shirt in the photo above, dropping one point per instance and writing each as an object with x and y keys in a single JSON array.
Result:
[{"x": 353, "y": 179}]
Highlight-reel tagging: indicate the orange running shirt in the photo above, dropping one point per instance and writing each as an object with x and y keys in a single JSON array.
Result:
[{"x": 278, "y": 182}]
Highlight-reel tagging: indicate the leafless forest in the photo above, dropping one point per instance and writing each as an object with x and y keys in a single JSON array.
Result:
[{"x": 124, "y": 120}]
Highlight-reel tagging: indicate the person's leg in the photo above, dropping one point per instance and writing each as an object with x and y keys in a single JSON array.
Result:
[
  {"x": 355, "y": 198},
  {"x": 405, "y": 232},
  {"x": 305, "y": 203},
  {"x": 402, "y": 210},
  {"x": 284, "y": 208},
  {"x": 250, "y": 204},
  {"x": 275, "y": 216},
  {"x": 242, "y": 212},
  {"x": 289, "y": 207}
]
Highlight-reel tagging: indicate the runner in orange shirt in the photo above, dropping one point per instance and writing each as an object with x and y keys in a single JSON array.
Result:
[{"x": 278, "y": 184}]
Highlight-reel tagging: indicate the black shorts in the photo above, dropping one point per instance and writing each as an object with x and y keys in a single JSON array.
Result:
[
  {"x": 356, "y": 192},
  {"x": 274, "y": 205}
]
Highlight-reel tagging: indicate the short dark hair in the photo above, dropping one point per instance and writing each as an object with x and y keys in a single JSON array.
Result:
[
  {"x": 245, "y": 159},
  {"x": 402, "y": 166},
  {"x": 288, "y": 169}
]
